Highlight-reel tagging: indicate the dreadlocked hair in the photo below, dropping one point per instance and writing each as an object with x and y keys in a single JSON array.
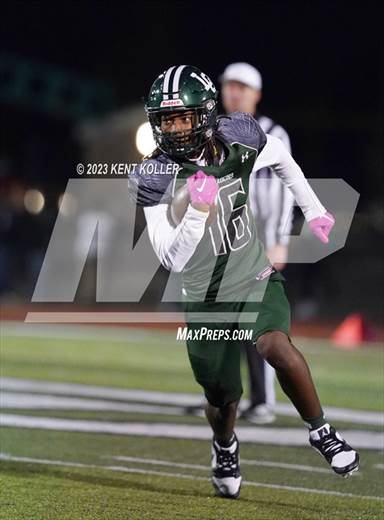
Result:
[
  {"x": 212, "y": 152},
  {"x": 156, "y": 152}
]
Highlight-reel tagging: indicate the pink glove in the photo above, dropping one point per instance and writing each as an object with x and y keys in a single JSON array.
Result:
[
  {"x": 321, "y": 226},
  {"x": 202, "y": 188}
]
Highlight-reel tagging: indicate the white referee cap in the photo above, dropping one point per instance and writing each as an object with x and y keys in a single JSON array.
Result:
[{"x": 244, "y": 73}]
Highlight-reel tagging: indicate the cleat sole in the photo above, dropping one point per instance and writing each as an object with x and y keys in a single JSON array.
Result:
[
  {"x": 345, "y": 472},
  {"x": 220, "y": 494},
  {"x": 349, "y": 473}
]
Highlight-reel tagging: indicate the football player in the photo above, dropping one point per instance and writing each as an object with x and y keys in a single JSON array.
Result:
[{"x": 226, "y": 273}]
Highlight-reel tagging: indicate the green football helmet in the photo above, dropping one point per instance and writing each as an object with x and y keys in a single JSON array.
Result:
[{"x": 179, "y": 89}]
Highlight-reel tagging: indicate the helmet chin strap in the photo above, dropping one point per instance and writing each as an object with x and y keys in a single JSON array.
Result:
[{"x": 195, "y": 159}]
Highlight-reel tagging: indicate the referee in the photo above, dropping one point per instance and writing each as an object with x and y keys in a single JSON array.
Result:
[{"x": 271, "y": 204}]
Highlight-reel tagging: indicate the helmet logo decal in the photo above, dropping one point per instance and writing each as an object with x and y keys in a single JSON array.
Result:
[
  {"x": 171, "y": 103},
  {"x": 204, "y": 80},
  {"x": 175, "y": 73},
  {"x": 166, "y": 82},
  {"x": 176, "y": 79}
]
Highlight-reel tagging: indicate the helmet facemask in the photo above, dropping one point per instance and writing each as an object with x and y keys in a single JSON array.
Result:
[{"x": 187, "y": 143}]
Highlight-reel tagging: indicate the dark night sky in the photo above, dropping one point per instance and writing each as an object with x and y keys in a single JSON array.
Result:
[
  {"x": 324, "y": 53},
  {"x": 321, "y": 62}
]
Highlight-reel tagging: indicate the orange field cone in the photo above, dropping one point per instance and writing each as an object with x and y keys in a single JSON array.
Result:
[{"x": 351, "y": 332}]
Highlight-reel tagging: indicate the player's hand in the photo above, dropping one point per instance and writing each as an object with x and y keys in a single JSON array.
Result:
[
  {"x": 321, "y": 226},
  {"x": 202, "y": 190}
]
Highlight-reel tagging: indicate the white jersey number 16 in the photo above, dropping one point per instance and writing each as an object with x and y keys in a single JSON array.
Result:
[{"x": 230, "y": 231}]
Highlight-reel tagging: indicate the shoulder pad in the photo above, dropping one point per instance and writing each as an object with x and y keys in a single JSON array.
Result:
[
  {"x": 241, "y": 128},
  {"x": 150, "y": 182}
]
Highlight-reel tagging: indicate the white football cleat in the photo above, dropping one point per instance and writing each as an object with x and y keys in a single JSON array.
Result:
[
  {"x": 328, "y": 442},
  {"x": 226, "y": 478}
]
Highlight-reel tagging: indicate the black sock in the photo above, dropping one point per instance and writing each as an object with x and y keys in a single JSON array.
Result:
[{"x": 314, "y": 423}]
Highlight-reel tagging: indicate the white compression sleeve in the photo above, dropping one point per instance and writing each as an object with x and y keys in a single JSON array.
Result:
[
  {"x": 276, "y": 156},
  {"x": 174, "y": 246}
]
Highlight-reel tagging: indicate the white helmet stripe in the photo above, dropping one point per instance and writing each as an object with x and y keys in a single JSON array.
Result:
[
  {"x": 166, "y": 81},
  {"x": 176, "y": 79}
]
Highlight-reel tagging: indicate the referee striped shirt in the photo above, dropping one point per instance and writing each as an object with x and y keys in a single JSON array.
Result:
[{"x": 271, "y": 201}]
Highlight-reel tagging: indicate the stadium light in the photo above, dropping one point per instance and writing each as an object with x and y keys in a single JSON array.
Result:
[
  {"x": 34, "y": 201},
  {"x": 144, "y": 139}
]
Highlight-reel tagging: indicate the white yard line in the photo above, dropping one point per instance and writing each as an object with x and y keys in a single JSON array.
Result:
[
  {"x": 259, "y": 435},
  {"x": 156, "y": 462},
  {"x": 21, "y": 400},
  {"x": 168, "y": 398},
  {"x": 144, "y": 396},
  {"x": 11, "y": 458},
  {"x": 334, "y": 413},
  {"x": 286, "y": 465},
  {"x": 244, "y": 462}
]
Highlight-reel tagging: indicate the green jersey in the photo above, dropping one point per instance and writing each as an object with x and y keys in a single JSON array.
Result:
[{"x": 229, "y": 257}]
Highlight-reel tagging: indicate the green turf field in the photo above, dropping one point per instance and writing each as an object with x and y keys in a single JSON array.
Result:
[
  {"x": 52, "y": 474},
  {"x": 156, "y": 361}
]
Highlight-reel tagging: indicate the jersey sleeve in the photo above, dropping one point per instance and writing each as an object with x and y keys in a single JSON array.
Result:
[
  {"x": 242, "y": 128},
  {"x": 174, "y": 246},
  {"x": 150, "y": 183}
]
